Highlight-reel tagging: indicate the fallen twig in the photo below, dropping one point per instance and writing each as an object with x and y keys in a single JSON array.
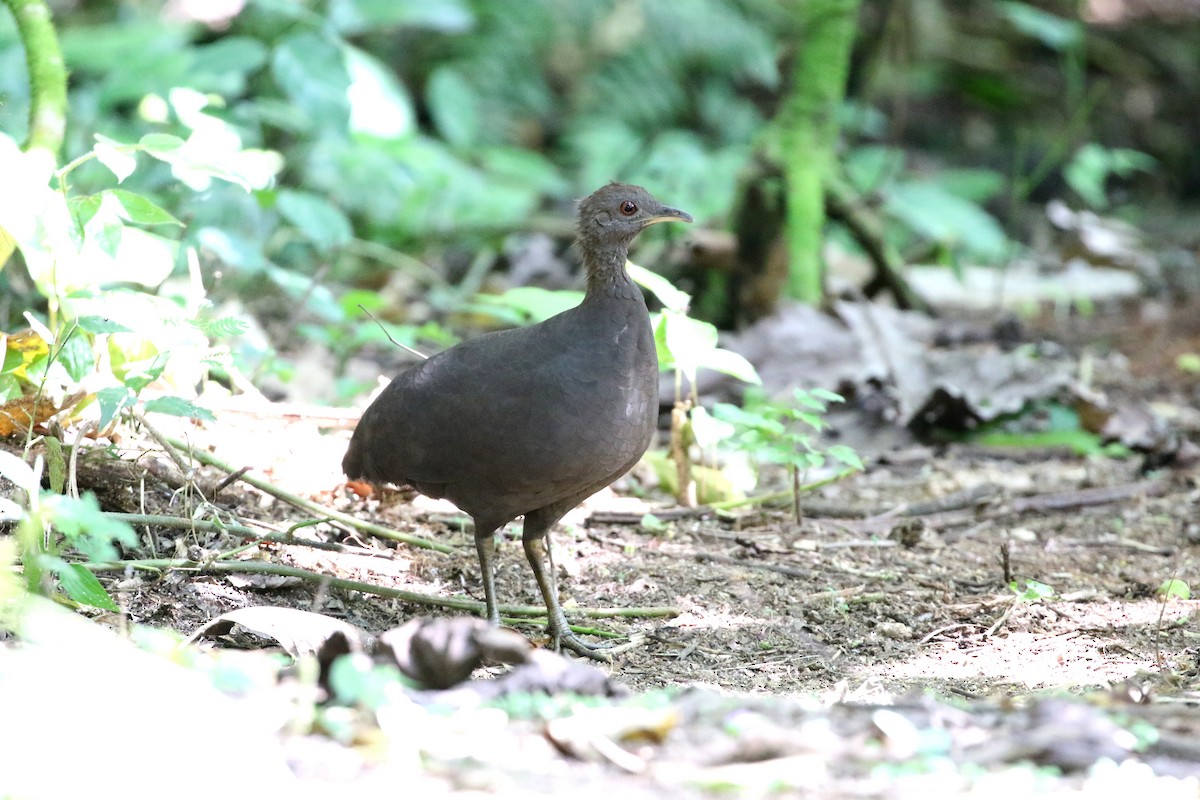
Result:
[
  {"x": 305, "y": 504},
  {"x": 1118, "y": 541},
  {"x": 1098, "y": 496},
  {"x": 241, "y": 531},
  {"x": 271, "y": 568},
  {"x": 782, "y": 569}
]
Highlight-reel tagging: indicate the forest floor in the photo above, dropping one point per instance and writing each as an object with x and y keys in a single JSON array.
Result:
[{"x": 801, "y": 655}]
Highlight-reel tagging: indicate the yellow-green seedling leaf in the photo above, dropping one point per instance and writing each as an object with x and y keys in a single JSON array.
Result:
[
  {"x": 1174, "y": 588},
  {"x": 1030, "y": 590},
  {"x": 1188, "y": 362},
  {"x": 652, "y": 524}
]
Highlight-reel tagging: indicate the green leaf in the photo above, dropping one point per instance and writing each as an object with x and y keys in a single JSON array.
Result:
[
  {"x": 1188, "y": 363},
  {"x": 685, "y": 342},
  {"x": 531, "y": 303},
  {"x": 10, "y": 388},
  {"x": 846, "y": 455},
  {"x": 933, "y": 212},
  {"x": 871, "y": 167},
  {"x": 89, "y": 529},
  {"x": 730, "y": 363},
  {"x": 380, "y": 105},
  {"x": 312, "y": 71},
  {"x": 179, "y": 407},
  {"x": 652, "y": 524},
  {"x": 707, "y": 429},
  {"x": 1089, "y": 169},
  {"x": 1030, "y": 590},
  {"x": 976, "y": 185},
  {"x": 221, "y": 328},
  {"x": 826, "y": 395},
  {"x": 1174, "y": 588},
  {"x": 77, "y": 357},
  {"x": 108, "y": 237},
  {"x": 454, "y": 106},
  {"x": 660, "y": 287},
  {"x": 113, "y": 400},
  {"x": 160, "y": 145},
  {"x": 141, "y": 210},
  {"x": 84, "y": 207},
  {"x": 809, "y": 400},
  {"x": 83, "y": 587},
  {"x": 119, "y": 158},
  {"x": 94, "y": 324},
  {"x": 359, "y": 16},
  {"x": 318, "y": 220},
  {"x": 1053, "y": 31}
]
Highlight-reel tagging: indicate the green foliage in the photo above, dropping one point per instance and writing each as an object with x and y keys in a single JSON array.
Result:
[
  {"x": 1174, "y": 588},
  {"x": 945, "y": 208},
  {"x": 1031, "y": 591},
  {"x": 685, "y": 344},
  {"x": 782, "y": 433},
  {"x": 1041, "y": 425},
  {"x": 357, "y": 681},
  {"x": 524, "y": 305},
  {"x": 1188, "y": 363},
  {"x": 1055, "y": 32},
  {"x": 76, "y": 523},
  {"x": 1090, "y": 168}
]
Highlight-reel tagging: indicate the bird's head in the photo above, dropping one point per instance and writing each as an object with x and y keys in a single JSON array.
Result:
[{"x": 617, "y": 212}]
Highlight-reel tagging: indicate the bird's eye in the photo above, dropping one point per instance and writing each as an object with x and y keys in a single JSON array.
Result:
[{"x": 629, "y": 208}]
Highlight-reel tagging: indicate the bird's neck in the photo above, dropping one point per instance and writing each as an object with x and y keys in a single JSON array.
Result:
[{"x": 606, "y": 275}]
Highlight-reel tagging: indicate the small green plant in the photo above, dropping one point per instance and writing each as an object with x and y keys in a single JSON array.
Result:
[
  {"x": 48, "y": 524},
  {"x": 1092, "y": 165},
  {"x": 1188, "y": 363},
  {"x": 101, "y": 261},
  {"x": 1030, "y": 591},
  {"x": 782, "y": 433},
  {"x": 1174, "y": 588}
]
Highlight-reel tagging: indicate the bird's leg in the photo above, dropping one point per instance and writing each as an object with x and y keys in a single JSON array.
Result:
[
  {"x": 485, "y": 547},
  {"x": 534, "y": 540}
]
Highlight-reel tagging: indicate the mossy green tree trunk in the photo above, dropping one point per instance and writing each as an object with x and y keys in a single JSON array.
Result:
[
  {"x": 47, "y": 75},
  {"x": 807, "y": 132}
]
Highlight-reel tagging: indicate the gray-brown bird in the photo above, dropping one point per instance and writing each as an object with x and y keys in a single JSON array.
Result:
[{"x": 533, "y": 420}]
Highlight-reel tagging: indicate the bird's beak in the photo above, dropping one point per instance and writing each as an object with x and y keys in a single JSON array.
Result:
[{"x": 670, "y": 215}]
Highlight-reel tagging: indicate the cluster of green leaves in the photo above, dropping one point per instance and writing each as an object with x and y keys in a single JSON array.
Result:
[
  {"x": 783, "y": 433},
  {"x": 99, "y": 267},
  {"x": 944, "y": 208},
  {"x": 51, "y": 522}
]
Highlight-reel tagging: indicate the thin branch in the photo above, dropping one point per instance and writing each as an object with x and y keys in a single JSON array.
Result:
[
  {"x": 311, "y": 507},
  {"x": 458, "y": 603},
  {"x": 241, "y": 531}
]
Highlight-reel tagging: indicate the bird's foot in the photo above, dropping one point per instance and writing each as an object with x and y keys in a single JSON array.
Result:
[{"x": 565, "y": 638}]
